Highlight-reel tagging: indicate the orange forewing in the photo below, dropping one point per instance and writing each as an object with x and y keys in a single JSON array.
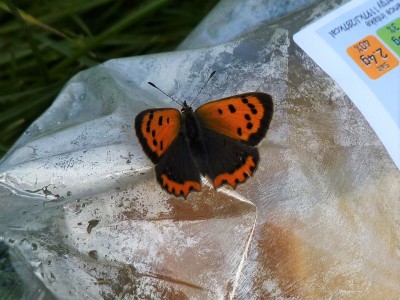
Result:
[
  {"x": 157, "y": 129},
  {"x": 244, "y": 117}
]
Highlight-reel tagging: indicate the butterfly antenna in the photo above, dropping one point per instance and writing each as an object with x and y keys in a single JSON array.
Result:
[
  {"x": 204, "y": 85},
  {"x": 154, "y": 86}
]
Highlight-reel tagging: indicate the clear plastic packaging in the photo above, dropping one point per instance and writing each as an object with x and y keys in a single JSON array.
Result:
[{"x": 85, "y": 217}]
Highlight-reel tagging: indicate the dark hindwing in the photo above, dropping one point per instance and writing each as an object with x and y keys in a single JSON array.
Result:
[
  {"x": 176, "y": 171},
  {"x": 229, "y": 161}
]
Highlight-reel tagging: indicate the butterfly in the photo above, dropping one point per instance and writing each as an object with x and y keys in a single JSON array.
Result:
[{"x": 217, "y": 140}]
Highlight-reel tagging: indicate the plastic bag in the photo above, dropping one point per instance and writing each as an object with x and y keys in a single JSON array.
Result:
[{"x": 85, "y": 218}]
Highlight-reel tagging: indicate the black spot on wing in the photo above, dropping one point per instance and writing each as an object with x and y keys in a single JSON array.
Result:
[
  {"x": 146, "y": 133},
  {"x": 268, "y": 107}
]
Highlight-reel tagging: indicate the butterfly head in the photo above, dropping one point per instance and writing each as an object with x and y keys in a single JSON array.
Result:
[{"x": 186, "y": 108}]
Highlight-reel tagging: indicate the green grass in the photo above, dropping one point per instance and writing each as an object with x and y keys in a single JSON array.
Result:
[{"x": 43, "y": 43}]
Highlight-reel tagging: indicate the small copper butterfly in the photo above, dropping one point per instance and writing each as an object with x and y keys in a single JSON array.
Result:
[{"x": 217, "y": 140}]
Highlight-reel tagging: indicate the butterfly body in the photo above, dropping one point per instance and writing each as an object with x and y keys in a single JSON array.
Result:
[
  {"x": 217, "y": 140},
  {"x": 192, "y": 131}
]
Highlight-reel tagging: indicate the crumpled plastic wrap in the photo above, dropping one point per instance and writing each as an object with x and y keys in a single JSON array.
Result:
[{"x": 84, "y": 217}]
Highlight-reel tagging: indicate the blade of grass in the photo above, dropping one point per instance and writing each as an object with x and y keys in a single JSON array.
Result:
[
  {"x": 135, "y": 16},
  {"x": 82, "y": 25},
  {"x": 32, "y": 20},
  {"x": 31, "y": 41},
  {"x": 19, "y": 95},
  {"x": 65, "y": 49},
  {"x": 50, "y": 17},
  {"x": 19, "y": 109}
]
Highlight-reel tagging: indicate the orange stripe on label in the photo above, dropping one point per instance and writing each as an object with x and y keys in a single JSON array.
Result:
[{"x": 372, "y": 57}]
